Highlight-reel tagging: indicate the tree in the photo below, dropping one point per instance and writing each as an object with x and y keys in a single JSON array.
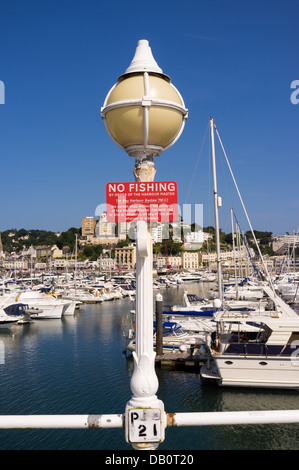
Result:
[
  {"x": 92, "y": 252},
  {"x": 68, "y": 238},
  {"x": 122, "y": 243},
  {"x": 173, "y": 248}
]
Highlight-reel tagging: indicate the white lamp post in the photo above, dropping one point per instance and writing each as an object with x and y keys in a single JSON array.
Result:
[{"x": 144, "y": 114}]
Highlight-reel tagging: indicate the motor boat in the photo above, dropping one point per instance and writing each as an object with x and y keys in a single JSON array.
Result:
[
  {"x": 175, "y": 339},
  {"x": 266, "y": 358},
  {"x": 193, "y": 305},
  {"x": 49, "y": 306}
]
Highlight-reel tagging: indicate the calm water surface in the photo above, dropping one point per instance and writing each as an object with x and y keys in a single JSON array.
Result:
[{"x": 77, "y": 365}]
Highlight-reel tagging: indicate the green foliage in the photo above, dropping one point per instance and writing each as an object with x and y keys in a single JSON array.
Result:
[
  {"x": 92, "y": 252},
  {"x": 17, "y": 239},
  {"x": 123, "y": 243},
  {"x": 264, "y": 240},
  {"x": 68, "y": 238},
  {"x": 173, "y": 248}
]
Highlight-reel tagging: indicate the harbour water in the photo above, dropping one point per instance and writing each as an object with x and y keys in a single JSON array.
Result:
[{"x": 77, "y": 365}]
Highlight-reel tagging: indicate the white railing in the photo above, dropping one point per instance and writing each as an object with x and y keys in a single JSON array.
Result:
[{"x": 108, "y": 421}]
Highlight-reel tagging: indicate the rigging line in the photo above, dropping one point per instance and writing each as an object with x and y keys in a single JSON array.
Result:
[
  {"x": 195, "y": 167},
  {"x": 248, "y": 220},
  {"x": 247, "y": 247},
  {"x": 225, "y": 185}
]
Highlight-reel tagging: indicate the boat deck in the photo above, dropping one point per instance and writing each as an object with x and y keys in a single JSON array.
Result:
[
  {"x": 178, "y": 360},
  {"x": 286, "y": 309}
]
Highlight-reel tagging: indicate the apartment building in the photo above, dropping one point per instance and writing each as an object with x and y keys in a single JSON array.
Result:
[
  {"x": 284, "y": 244},
  {"x": 190, "y": 260},
  {"x": 126, "y": 256},
  {"x": 104, "y": 228},
  {"x": 162, "y": 261},
  {"x": 88, "y": 226},
  {"x": 229, "y": 256},
  {"x": 157, "y": 233},
  {"x": 14, "y": 264}
]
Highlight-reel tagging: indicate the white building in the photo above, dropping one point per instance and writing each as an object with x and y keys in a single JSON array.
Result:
[
  {"x": 106, "y": 263},
  {"x": 285, "y": 243},
  {"x": 163, "y": 261},
  {"x": 228, "y": 256},
  {"x": 123, "y": 230},
  {"x": 103, "y": 228},
  {"x": 194, "y": 237},
  {"x": 157, "y": 232},
  {"x": 15, "y": 264}
]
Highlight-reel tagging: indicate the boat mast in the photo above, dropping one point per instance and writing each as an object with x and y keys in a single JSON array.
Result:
[
  {"x": 217, "y": 204},
  {"x": 252, "y": 231},
  {"x": 233, "y": 238},
  {"x": 76, "y": 256}
]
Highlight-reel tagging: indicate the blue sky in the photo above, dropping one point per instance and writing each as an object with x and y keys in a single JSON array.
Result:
[{"x": 233, "y": 60}]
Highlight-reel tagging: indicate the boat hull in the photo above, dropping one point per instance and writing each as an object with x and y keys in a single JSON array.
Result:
[
  {"x": 255, "y": 371},
  {"x": 47, "y": 311}
]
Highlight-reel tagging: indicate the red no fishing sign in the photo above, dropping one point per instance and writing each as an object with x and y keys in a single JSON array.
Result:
[{"x": 148, "y": 201}]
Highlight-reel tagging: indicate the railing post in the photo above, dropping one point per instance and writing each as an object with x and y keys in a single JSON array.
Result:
[
  {"x": 159, "y": 325},
  {"x": 145, "y": 415}
]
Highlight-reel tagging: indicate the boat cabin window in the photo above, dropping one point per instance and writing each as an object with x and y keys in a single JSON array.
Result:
[
  {"x": 261, "y": 335},
  {"x": 173, "y": 332},
  {"x": 179, "y": 331},
  {"x": 15, "y": 309},
  {"x": 264, "y": 334}
]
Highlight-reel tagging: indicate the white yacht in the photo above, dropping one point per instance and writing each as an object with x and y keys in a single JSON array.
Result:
[
  {"x": 49, "y": 306},
  {"x": 194, "y": 305},
  {"x": 12, "y": 312},
  {"x": 6, "y": 321},
  {"x": 191, "y": 276},
  {"x": 176, "y": 339},
  {"x": 244, "y": 292},
  {"x": 266, "y": 357}
]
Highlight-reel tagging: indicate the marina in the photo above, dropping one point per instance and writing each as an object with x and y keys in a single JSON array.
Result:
[
  {"x": 136, "y": 349},
  {"x": 77, "y": 364}
]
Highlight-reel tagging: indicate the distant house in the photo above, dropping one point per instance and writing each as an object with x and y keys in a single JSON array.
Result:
[
  {"x": 43, "y": 251},
  {"x": 56, "y": 252}
]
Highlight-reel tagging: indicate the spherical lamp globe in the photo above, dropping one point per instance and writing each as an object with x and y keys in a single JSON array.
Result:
[{"x": 143, "y": 112}]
